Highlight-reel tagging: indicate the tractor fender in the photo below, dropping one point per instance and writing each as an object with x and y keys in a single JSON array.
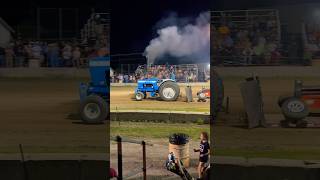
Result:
[{"x": 165, "y": 80}]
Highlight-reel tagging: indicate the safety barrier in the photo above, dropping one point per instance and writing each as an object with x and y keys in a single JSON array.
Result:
[{"x": 119, "y": 141}]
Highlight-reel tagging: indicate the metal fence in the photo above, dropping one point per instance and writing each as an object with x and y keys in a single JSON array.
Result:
[{"x": 181, "y": 73}]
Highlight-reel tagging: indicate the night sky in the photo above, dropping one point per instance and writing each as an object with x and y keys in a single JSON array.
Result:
[
  {"x": 247, "y": 4},
  {"x": 133, "y": 22},
  {"x": 15, "y": 11},
  {"x": 24, "y": 13}
]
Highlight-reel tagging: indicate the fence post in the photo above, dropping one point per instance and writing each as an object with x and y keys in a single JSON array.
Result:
[
  {"x": 144, "y": 169},
  {"x": 120, "y": 175},
  {"x": 227, "y": 105}
]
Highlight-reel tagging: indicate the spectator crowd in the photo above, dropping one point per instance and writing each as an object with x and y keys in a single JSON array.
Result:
[
  {"x": 161, "y": 72},
  {"x": 255, "y": 42},
  {"x": 312, "y": 33},
  {"x": 60, "y": 54}
]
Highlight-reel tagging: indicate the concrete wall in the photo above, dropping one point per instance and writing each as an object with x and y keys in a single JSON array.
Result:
[
  {"x": 230, "y": 168},
  {"x": 54, "y": 170},
  {"x": 270, "y": 71},
  {"x": 160, "y": 117},
  {"x": 263, "y": 71},
  {"x": 224, "y": 168},
  {"x": 44, "y": 73}
]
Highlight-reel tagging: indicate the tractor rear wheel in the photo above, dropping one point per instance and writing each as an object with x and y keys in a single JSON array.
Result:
[
  {"x": 294, "y": 108},
  {"x": 94, "y": 110},
  {"x": 169, "y": 91}
]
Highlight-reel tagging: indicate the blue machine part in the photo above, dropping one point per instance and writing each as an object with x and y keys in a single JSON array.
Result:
[
  {"x": 150, "y": 85},
  {"x": 99, "y": 68}
]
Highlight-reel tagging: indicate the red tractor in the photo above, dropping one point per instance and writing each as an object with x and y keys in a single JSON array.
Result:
[{"x": 304, "y": 102}]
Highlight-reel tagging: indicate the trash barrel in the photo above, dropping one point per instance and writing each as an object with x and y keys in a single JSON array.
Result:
[
  {"x": 189, "y": 93},
  {"x": 179, "y": 145}
]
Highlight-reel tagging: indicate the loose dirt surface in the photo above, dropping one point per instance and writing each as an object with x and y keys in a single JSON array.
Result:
[
  {"x": 271, "y": 89},
  {"x": 41, "y": 115},
  {"x": 122, "y": 99},
  {"x": 287, "y": 143},
  {"x": 283, "y": 143}
]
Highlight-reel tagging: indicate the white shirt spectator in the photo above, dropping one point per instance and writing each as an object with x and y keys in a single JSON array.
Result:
[
  {"x": 36, "y": 51},
  {"x": 67, "y": 52}
]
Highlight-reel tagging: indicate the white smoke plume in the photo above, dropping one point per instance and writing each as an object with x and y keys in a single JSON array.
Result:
[{"x": 190, "y": 41}]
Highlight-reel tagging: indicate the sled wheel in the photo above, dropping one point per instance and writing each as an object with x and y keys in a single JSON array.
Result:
[{"x": 294, "y": 108}]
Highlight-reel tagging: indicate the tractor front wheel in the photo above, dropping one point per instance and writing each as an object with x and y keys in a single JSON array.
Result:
[
  {"x": 93, "y": 110},
  {"x": 139, "y": 96}
]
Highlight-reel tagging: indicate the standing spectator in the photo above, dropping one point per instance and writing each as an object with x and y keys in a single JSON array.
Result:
[
  {"x": 172, "y": 76},
  {"x": 130, "y": 79},
  {"x": 120, "y": 78},
  {"x": 28, "y": 53},
  {"x": 9, "y": 55},
  {"x": 134, "y": 79},
  {"x": 247, "y": 53},
  {"x": 76, "y": 55},
  {"x": 53, "y": 55},
  {"x": 44, "y": 53},
  {"x": 66, "y": 55},
  {"x": 2, "y": 55},
  {"x": 20, "y": 55},
  {"x": 126, "y": 78},
  {"x": 36, "y": 52}
]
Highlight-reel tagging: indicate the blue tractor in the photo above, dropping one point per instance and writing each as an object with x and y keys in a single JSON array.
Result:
[
  {"x": 166, "y": 89},
  {"x": 94, "y": 96}
]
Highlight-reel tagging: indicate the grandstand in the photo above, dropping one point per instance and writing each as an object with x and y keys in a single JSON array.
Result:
[
  {"x": 128, "y": 73},
  {"x": 311, "y": 40},
  {"x": 96, "y": 29},
  {"x": 244, "y": 37},
  {"x": 63, "y": 50},
  {"x": 289, "y": 36}
]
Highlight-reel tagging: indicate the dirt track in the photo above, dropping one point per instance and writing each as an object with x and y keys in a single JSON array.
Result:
[
  {"x": 36, "y": 113},
  {"x": 290, "y": 143},
  {"x": 271, "y": 89},
  {"x": 122, "y": 99}
]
